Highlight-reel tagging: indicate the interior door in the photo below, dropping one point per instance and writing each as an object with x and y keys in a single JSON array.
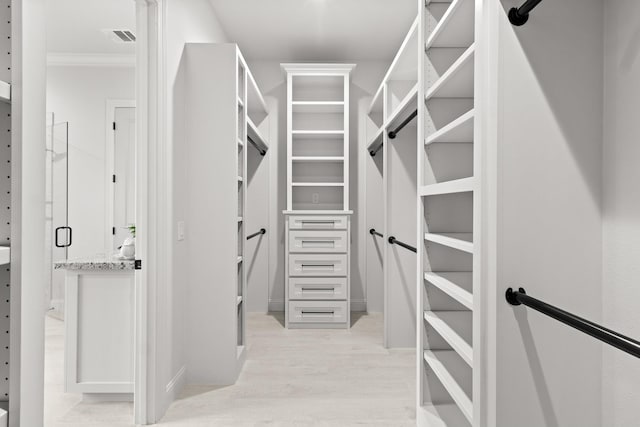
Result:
[{"x": 124, "y": 174}]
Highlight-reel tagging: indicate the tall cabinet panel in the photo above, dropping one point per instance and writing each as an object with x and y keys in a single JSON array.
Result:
[
  {"x": 318, "y": 238},
  {"x": 224, "y": 111}
]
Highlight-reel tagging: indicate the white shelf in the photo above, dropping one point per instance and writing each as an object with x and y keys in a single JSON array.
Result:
[
  {"x": 396, "y": 63},
  {"x": 435, "y": 359},
  {"x": 317, "y": 184},
  {"x": 239, "y": 351},
  {"x": 457, "y": 81},
  {"x": 240, "y": 179},
  {"x": 442, "y": 415},
  {"x": 256, "y": 136},
  {"x": 240, "y": 102},
  {"x": 254, "y": 96},
  {"x": 240, "y": 143},
  {"x": 311, "y": 159},
  {"x": 460, "y": 241},
  {"x": 238, "y": 260},
  {"x": 450, "y": 284},
  {"x": 321, "y": 107},
  {"x": 406, "y": 107},
  {"x": 463, "y": 185},
  {"x": 459, "y": 130},
  {"x": 456, "y": 27},
  {"x": 5, "y": 92},
  {"x": 238, "y": 300},
  {"x": 239, "y": 219},
  {"x": 5, "y": 255},
  {"x": 332, "y": 134},
  {"x": 458, "y": 336}
]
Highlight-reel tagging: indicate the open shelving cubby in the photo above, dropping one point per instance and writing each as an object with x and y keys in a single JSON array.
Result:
[{"x": 448, "y": 373}]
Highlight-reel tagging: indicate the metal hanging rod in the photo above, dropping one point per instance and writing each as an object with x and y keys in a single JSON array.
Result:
[
  {"x": 601, "y": 333},
  {"x": 392, "y": 133},
  {"x": 395, "y": 241},
  {"x": 373, "y": 152},
  {"x": 260, "y": 150},
  {"x": 262, "y": 231},
  {"x": 373, "y": 232},
  {"x": 520, "y": 15}
]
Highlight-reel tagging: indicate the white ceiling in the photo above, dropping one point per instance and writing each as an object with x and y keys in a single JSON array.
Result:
[
  {"x": 74, "y": 26},
  {"x": 316, "y": 30}
]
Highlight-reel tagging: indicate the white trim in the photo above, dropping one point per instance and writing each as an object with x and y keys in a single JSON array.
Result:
[
  {"x": 149, "y": 95},
  {"x": 110, "y": 148},
  {"x": 90, "y": 60},
  {"x": 177, "y": 381}
]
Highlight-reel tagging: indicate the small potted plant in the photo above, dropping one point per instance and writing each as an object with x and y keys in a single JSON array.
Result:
[{"x": 128, "y": 248}]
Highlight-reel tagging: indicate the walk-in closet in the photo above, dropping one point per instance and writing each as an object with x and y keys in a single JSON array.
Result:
[{"x": 319, "y": 213}]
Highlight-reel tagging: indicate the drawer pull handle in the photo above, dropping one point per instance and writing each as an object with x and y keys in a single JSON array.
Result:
[
  {"x": 318, "y": 313},
  {"x": 319, "y": 243},
  {"x": 317, "y": 222},
  {"x": 332, "y": 290}
]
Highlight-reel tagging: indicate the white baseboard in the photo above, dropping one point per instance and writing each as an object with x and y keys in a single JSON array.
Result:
[
  {"x": 358, "y": 305},
  {"x": 276, "y": 305},
  {"x": 176, "y": 384}
]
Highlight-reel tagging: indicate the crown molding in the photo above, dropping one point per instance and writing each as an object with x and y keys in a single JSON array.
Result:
[{"x": 90, "y": 60}]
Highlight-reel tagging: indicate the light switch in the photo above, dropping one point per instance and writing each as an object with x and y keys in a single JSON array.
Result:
[{"x": 181, "y": 227}]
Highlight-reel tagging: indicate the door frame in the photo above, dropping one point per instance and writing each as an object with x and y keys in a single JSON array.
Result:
[
  {"x": 151, "y": 213},
  {"x": 110, "y": 137}
]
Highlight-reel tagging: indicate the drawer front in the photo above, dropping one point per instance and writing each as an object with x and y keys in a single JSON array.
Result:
[
  {"x": 317, "y": 222},
  {"x": 318, "y": 288},
  {"x": 318, "y": 241},
  {"x": 317, "y": 311},
  {"x": 317, "y": 265}
]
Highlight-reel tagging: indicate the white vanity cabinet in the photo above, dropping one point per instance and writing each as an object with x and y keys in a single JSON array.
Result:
[{"x": 100, "y": 329}]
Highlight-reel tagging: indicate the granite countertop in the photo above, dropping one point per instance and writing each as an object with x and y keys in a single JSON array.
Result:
[{"x": 96, "y": 263}]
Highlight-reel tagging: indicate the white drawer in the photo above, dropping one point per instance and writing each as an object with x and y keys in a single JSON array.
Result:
[
  {"x": 317, "y": 311},
  {"x": 318, "y": 265},
  {"x": 317, "y": 222},
  {"x": 318, "y": 241},
  {"x": 318, "y": 288}
]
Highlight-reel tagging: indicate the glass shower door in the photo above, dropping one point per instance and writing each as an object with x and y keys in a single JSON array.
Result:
[{"x": 58, "y": 233}]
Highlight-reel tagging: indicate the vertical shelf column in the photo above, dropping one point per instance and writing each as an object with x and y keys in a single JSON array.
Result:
[
  {"x": 448, "y": 373},
  {"x": 241, "y": 161}
]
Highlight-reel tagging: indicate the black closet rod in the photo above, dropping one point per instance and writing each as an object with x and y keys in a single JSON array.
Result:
[
  {"x": 519, "y": 15},
  {"x": 373, "y": 152},
  {"x": 392, "y": 134},
  {"x": 261, "y": 151},
  {"x": 262, "y": 231},
  {"x": 601, "y": 333},
  {"x": 395, "y": 241},
  {"x": 373, "y": 232}
]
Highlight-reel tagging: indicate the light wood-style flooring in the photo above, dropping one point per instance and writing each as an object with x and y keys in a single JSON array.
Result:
[{"x": 299, "y": 378}]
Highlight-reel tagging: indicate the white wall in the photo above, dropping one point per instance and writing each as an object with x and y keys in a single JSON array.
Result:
[
  {"x": 548, "y": 146},
  {"x": 621, "y": 215},
  {"x": 78, "y": 95},
  {"x": 185, "y": 21},
  {"x": 272, "y": 81}
]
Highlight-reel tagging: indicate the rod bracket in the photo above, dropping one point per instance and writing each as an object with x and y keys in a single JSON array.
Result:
[
  {"x": 516, "y": 18},
  {"x": 392, "y": 135},
  {"x": 511, "y": 297}
]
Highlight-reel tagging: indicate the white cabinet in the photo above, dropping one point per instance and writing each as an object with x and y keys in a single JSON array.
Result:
[
  {"x": 317, "y": 215},
  {"x": 99, "y": 333}
]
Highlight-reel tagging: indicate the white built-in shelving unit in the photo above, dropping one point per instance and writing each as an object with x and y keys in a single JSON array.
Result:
[
  {"x": 227, "y": 117},
  {"x": 317, "y": 215},
  {"x": 448, "y": 373},
  {"x": 393, "y": 165}
]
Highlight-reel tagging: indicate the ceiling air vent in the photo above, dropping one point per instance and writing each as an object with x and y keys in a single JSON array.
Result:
[{"x": 120, "y": 36}]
